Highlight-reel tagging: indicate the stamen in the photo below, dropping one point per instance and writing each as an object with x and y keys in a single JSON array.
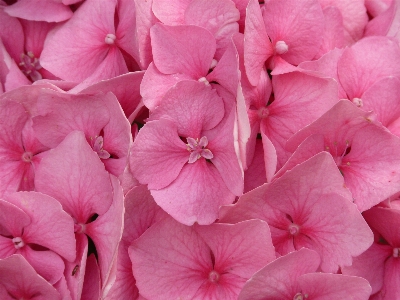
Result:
[
  {"x": 300, "y": 296},
  {"x": 294, "y": 229},
  {"x": 396, "y": 252},
  {"x": 213, "y": 63},
  {"x": 281, "y": 47},
  {"x": 203, "y": 79},
  {"x": 27, "y": 157},
  {"x": 79, "y": 228},
  {"x": 98, "y": 147},
  {"x": 213, "y": 276},
  {"x": 110, "y": 39},
  {"x": 18, "y": 242},
  {"x": 30, "y": 65},
  {"x": 358, "y": 102},
  {"x": 263, "y": 112},
  {"x": 197, "y": 149}
]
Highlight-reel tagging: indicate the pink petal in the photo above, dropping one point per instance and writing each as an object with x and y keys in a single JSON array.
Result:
[
  {"x": 299, "y": 25},
  {"x": 106, "y": 232},
  {"x": 257, "y": 48},
  {"x": 386, "y": 222},
  {"x": 69, "y": 185},
  {"x": 170, "y": 12},
  {"x": 156, "y": 84},
  {"x": 39, "y": 10},
  {"x": 124, "y": 87},
  {"x": 48, "y": 264},
  {"x": 158, "y": 150},
  {"x": 354, "y": 17},
  {"x": 356, "y": 67},
  {"x": 11, "y": 34},
  {"x": 179, "y": 256},
  {"x": 254, "y": 176},
  {"x": 42, "y": 230},
  {"x": 91, "y": 286},
  {"x": 334, "y": 286},
  {"x": 278, "y": 280},
  {"x": 20, "y": 280},
  {"x": 193, "y": 106},
  {"x": 13, "y": 219},
  {"x": 182, "y": 49},
  {"x": 78, "y": 47},
  {"x": 182, "y": 200}
]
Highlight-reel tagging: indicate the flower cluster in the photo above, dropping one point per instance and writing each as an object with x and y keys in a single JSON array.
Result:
[{"x": 200, "y": 149}]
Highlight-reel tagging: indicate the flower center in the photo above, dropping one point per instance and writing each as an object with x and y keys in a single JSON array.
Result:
[
  {"x": 294, "y": 229},
  {"x": 79, "y": 228},
  {"x": 197, "y": 149},
  {"x": 300, "y": 296},
  {"x": 358, "y": 102},
  {"x": 18, "y": 242},
  {"x": 213, "y": 276},
  {"x": 204, "y": 80},
  {"x": 27, "y": 157},
  {"x": 110, "y": 39},
  {"x": 263, "y": 112},
  {"x": 30, "y": 65},
  {"x": 98, "y": 143},
  {"x": 281, "y": 47},
  {"x": 396, "y": 252}
]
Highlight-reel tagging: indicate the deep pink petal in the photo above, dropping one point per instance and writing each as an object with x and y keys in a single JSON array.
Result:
[
  {"x": 19, "y": 279},
  {"x": 182, "y": 49},
  {"x": 158, "y": 150},
  {"x": 182, "y": 199},
  {"x": 78, "y": 196},
  {"x": 13, "y": 219}
]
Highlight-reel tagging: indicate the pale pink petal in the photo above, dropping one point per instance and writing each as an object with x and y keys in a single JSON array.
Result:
[
  {"x": 170, "y": 261},
  {"x": 19, "y": 279},
  {"x": 182, "y": 49},
  {"x": 299, "y": 24},
  {"x": 334, "y": 286},
  {"x": 158, "y": 150},
  {"x": 257, "y": 48},
  {"x": 192, "y": 205},
  {"x": 39, "y": 10},
  {"x": 170, "y": 12},
  {"x": 78, "y": 196},
  {"x": 278, "y": 280}
]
